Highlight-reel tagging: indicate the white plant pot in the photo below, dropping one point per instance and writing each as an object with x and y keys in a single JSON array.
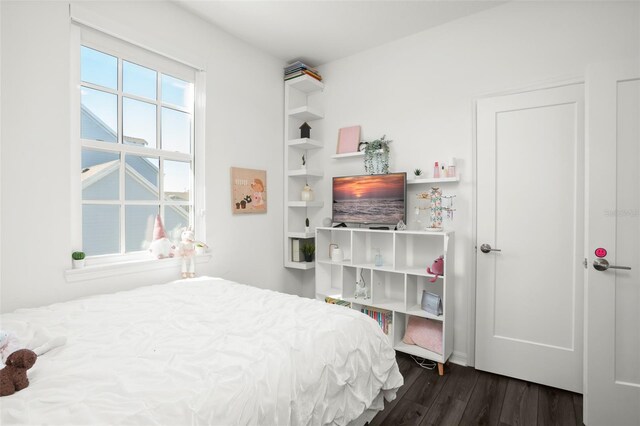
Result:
[{"x": 78, "y": 264}]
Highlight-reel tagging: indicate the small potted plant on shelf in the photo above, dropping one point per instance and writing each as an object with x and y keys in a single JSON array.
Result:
[
  {"x": 201, "y": 248},
  {"x": 376, "y": 156},
  {"x": 308, "y": 250},
  {"x": 78, "y": 259},
  {"x": 417, "y": 173}
]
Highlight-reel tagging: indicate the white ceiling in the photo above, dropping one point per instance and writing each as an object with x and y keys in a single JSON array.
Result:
[{"x": 322, "y": 31}]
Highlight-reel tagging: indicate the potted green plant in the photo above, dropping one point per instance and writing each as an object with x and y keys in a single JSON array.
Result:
[
  {"x": 201, "y": 248},
  {"x": 417, "y": 173},
  {"x": 376, "y": 156},
  {"x": 308, "y": 250},
  {"x": 78, "y": 259}
]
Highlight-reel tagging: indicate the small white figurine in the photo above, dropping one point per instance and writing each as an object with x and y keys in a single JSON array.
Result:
[
  {"x": 187, "y": 250},
  {"x": 361, "y": 290}
]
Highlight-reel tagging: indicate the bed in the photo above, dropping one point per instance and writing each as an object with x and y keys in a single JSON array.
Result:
[{"x": 202, "y": 351}]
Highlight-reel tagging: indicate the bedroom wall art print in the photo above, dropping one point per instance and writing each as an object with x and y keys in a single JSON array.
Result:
[{"x": 248, "y": 191}]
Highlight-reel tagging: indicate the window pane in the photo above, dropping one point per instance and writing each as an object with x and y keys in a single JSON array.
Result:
[
  {"x": 138, "y": 123},
  {"x": 98, "y": 115},
  {"x": 100, "y": 229},
  {"x": 177, "y": 92},
  {"x": 139, "y": 81},
  {"x": 176, "y": 130},
  {"x": 175, "y": 218},
  {"x": 176, "y": 180},
  {"x": 141, "y": 178},
  {"x": 98, "y": 68},
  {"x": 139, "y": 221},
  {"x": 100, "y": 175}
]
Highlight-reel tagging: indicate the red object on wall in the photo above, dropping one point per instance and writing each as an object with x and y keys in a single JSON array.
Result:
[{"x": 600, "y": 252}]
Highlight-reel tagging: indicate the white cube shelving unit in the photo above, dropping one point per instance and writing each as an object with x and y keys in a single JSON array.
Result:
[{"x": 395, "y": 286}]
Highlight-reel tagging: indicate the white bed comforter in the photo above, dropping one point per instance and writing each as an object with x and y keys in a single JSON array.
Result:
[{"x": 202, "y": 351}]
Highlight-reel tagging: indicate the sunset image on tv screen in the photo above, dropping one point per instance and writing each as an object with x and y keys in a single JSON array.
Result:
[{"x": 376, "y": 199}]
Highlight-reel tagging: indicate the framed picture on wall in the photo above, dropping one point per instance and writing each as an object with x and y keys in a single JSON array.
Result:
[{"x": 248, "y": 191}]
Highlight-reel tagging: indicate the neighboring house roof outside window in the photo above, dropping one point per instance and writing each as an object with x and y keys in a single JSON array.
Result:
[
  {"x": 96, "y": 129},
  {"x": 91, "y": 175},
  {"x": 134, "y": 141},
  {"x": 92, "y": 127},
  {"x": 98, "y": 165}
]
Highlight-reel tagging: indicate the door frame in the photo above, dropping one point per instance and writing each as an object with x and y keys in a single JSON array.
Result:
[
  {"x": 472, "y": 269},
  {"x": 624, "y": 70}
]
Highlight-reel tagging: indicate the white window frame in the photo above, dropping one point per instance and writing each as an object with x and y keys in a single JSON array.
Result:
[{"x": 123, "y": 50}]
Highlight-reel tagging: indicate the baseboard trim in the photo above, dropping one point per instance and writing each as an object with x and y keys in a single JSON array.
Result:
[{"x": 459, "y": 358}]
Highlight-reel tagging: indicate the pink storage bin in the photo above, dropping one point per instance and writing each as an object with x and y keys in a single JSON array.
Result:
[{"x": 424, "y": 333}]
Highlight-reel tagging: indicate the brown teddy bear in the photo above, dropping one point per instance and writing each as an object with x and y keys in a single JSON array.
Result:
[{"x": 13, "y": 377}]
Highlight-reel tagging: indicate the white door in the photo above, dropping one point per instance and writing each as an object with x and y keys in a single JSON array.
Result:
[
  {"x": 612, "y": 303},
  {"x": 530, "y": 207}
]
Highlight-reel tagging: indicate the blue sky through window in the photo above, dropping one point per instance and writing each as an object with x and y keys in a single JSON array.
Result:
[
  {"x": 139, "y": 121},
  {"x": 176, "y": 130},
  {"x": 119, "y": 95},
  {"x": 138, "y": 80},
  {"x": 98, "y": 68},
  {"x": 104, "y": 106},
  {"x": 138, "y": 118},
  {"x": 177, "y": 92},
  {"x": 176, "y": 177}
]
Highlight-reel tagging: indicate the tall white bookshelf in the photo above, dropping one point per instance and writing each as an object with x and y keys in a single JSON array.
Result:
[
  {"x": 397, "y": 284},
  {"x": 302, "y": 103}
]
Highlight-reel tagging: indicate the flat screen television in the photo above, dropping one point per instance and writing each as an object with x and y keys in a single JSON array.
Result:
[{"x": 370, "y": 199}]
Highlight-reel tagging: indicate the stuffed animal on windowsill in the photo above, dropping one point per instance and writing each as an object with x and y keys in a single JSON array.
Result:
[
  {"x": 187, "y": 250},
  {"x": 161, "y": 247},
  {"x": 13, "y": 377}
]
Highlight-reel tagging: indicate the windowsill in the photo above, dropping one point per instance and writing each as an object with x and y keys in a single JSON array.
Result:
[{"x": 129, "y": 267}]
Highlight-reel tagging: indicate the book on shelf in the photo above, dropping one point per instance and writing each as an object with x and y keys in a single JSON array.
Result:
[
  {"x": 296, "y": 248},
  {"x": 384, "y": 317},
  {"x": 334, "y": 301},
  {"x": 296, "y": 252},
  {"x": 303, "y": 72},
  {"x": 299, "y": 70},
  {"x": 297, "y": 65}
]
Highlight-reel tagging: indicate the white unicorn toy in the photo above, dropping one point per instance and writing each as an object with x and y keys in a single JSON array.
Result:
[{"x": 187, "y": 250}]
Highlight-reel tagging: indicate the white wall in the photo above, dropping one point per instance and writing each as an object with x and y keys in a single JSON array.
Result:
[
  {"x": 243, "y": 128},
  {"x": 419, "y": 91},
  {"x": 0, "y": 147}
]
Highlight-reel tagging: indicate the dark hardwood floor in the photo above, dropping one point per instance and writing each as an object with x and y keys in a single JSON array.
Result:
[{"x": 465, "y": 396}]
